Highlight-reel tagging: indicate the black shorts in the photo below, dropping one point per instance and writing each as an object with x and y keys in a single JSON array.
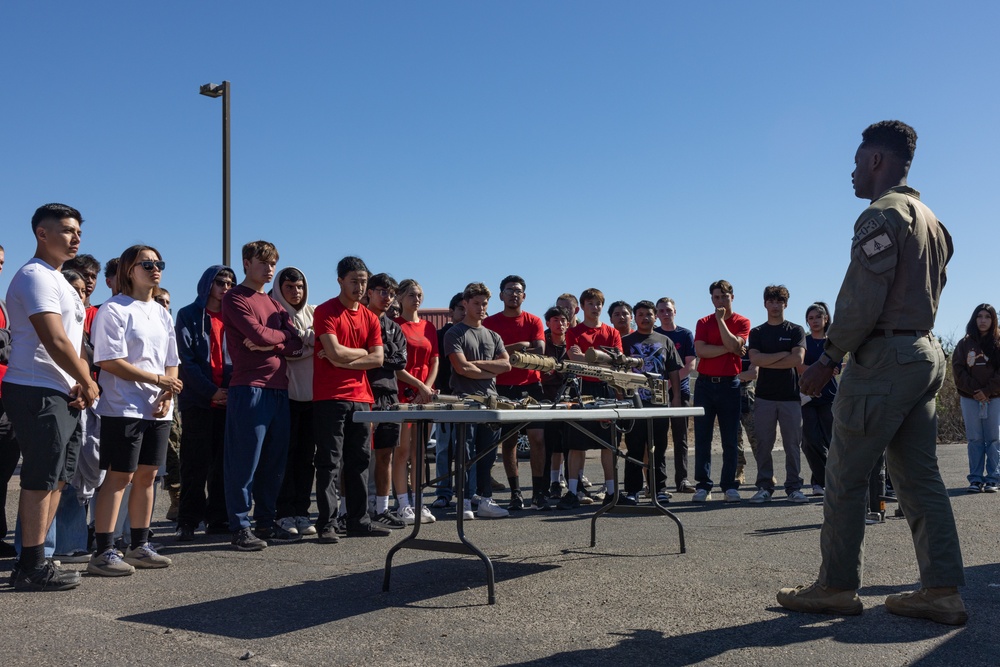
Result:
[
  {"x": 48, "y": 431},
  {"x": 516, "y": 392},
  {"x": 556, "y": 437},
  {"x": 127, "y": 442},
  {"x": 385, "y": 436},
  {"x": 578, "y": 441}
]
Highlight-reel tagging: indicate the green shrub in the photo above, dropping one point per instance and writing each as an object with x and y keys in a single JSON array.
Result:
[{"x": 951, "y": 427}]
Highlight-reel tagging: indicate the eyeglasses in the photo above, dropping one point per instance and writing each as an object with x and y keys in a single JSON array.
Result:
[
  {"x": 149, "y": 265},
  {"x": 226, "y": 284},
  {"x": 384, "y": 293}
]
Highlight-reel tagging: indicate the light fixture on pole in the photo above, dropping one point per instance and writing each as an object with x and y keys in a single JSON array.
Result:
[{"x": 223, "y": 91}]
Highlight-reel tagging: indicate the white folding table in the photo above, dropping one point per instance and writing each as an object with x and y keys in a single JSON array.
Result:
[{"x": 463, "y": 417}]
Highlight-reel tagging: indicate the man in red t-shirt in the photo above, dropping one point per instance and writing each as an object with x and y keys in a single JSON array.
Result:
[
  {"x": 351, "y": 340},
  {"x": 590, "y": 333},
  {"x": 521, "y": 332},
  {"x": 720, "y": 343}
]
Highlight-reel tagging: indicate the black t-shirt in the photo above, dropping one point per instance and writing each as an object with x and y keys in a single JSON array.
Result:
[
  {"x": 777, "y": 384},
  {"x": 552, "y": 381},
  {"x": 659, "y": 352},
  {"x": 443, "y": 380}
]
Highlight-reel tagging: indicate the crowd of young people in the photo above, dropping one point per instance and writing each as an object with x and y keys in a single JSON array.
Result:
[{"x": 267, "y": 383}]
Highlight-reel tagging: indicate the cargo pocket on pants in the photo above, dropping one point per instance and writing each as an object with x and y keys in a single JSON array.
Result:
[{"x": 859, "y": 405}]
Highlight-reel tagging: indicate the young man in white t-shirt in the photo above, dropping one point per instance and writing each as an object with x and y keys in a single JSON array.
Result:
[{"x": 46, "y": 385}]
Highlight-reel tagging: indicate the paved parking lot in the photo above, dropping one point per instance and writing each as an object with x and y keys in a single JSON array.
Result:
[{"x": 631, "y": 600}]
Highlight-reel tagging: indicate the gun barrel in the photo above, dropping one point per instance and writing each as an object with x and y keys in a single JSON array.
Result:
[
  {"x": 597, "y": 356},
  {"x": 533, "y": 362}
]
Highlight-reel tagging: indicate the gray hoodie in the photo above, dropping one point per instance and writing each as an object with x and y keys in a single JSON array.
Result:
[{"x": 300, "y": 369}]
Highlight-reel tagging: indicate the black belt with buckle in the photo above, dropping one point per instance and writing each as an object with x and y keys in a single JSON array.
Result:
[
  {"x": 716, "y": 379},
  {"x": 891, "y": 333}
]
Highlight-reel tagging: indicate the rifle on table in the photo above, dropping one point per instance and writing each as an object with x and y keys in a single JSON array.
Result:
[
  {"x": 470, "y": 402},
  {"x": 613, "y": 358},
  {"x": 624, "y": 381}
]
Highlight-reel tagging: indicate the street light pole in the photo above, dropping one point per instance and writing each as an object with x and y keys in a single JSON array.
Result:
[{"x": 223, "y": 91}]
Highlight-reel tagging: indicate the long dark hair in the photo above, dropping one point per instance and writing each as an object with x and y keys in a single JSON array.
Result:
[
  {"x": 824, "y": 310},
  {"x": 989, "y": 341}
]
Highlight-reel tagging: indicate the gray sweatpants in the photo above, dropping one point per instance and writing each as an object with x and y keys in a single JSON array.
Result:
[{"x": 767, "y": 416}]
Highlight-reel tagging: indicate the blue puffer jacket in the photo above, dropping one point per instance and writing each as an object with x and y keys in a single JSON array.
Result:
[{"x": 194, "y": 346}]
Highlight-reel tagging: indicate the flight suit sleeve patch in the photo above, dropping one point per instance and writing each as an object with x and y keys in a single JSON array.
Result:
[
  {"x": 874, "y": 246},
  {"x": 869, "y": 227}
]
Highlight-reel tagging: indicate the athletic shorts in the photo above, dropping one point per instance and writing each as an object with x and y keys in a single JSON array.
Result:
[
  {"x": 578, "y": 441},
  {"x": 127, "y": 442},
  {"x": 515, "y": 393},
  {"x": 48, "y": 431},
  {"x": 385, "y": 436}
]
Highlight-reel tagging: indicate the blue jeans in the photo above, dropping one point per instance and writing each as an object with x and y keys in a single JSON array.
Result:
[
  {"x": 478, "y": 439},
  {"x": 983, "y": 434},
  {"x": 255, "y": 453},
  {"x": 444, "y": 454},
  {"x": 71, "y": 519},
  {"x": 720, "y": 400}
]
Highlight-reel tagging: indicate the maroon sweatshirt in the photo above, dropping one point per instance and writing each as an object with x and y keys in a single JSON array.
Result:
[{"x": 255, "y": 316}]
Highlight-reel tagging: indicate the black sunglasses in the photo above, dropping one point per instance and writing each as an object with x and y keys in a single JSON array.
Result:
[{"x": 149, "y": 265}]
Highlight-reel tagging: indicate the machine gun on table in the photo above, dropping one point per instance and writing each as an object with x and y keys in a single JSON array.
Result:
[{"x": 624, "y": 381}]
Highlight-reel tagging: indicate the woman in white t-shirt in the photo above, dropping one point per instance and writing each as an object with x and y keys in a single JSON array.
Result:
[{"x": 136, "y": 350}]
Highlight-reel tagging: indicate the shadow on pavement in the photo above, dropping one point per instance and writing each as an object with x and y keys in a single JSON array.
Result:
[
  {"x": 972, "y": 644},
  {"x": 277, "y": 611}
]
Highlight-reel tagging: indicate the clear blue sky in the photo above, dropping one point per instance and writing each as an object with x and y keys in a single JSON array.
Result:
[{"x": 644, "y": 148}]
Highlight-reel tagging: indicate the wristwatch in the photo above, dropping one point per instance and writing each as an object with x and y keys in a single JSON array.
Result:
[{"x": 826, "y": 361}]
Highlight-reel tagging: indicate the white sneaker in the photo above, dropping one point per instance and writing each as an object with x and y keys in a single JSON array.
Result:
[
  {"x": 818, "y": 490},
  {"x": 762, "y": 496},
  {"x": 702, "y": 496},
  {"x": 733, "y": 496},
  {"x": 467, "y": 512},
  {"x": 490, "y": 510},
  {"x": 407, "y": 515},
  {"x": 426, "y": 516},
  {"x": 304, "y": 526},
  {"x": 797, "y": 497},
  {"x": 287, "y": 523},
  {"x": 144, "y": 556}
]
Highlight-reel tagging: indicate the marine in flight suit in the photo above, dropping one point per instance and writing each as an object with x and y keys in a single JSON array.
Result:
[{"x": 886, "y": 400}]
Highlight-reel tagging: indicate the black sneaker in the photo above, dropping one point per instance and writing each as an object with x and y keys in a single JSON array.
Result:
[
  {"x": 555, "y": 491},
  {"x": 184, "y": 534},
  {"x": 516, "y": 502},
  {"x": 48, "y": 577},
  {"x": 388, "y": 519},
  {"x": 340, "y": 525},
  {"x": 368, "y": 530},
  {"x": 610, "y": 498},
  {"x": 629, "y": 499},
  {"x": 245, "y": 540},
  {"x": 540, "y": 502},
  {"x": 570, "y": 501},
  {"x": 277, "y": 534}
]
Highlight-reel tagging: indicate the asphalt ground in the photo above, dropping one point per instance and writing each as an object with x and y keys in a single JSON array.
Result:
[{"x": 631, "y": 600}]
